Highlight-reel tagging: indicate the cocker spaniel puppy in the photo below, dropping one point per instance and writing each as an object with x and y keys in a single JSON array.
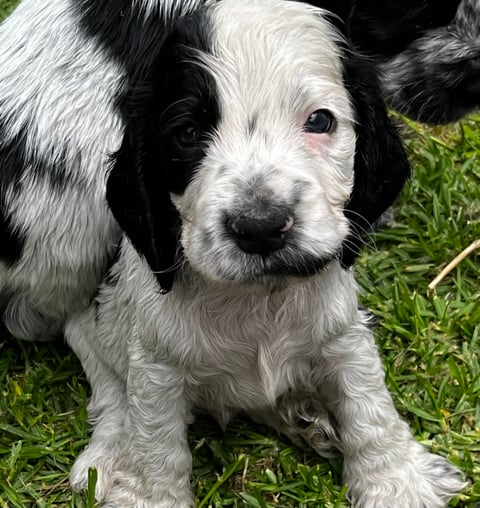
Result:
[
  {"x": 436, "y": 77},
  {"x": 255, "y": 149},
  {"x": 65, "y": 67},
  {"x": 428, "y": 50}
]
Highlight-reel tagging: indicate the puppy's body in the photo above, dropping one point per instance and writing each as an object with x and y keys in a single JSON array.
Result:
[
  {"x": 58, "y": 124},
  {"x": 436, "y": 77},
  {"x": 289, "y": 357},
  {"x": 249, "y": 165}
]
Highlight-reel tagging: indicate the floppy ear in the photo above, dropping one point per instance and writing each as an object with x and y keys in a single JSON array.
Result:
[
  {"x": 172, "y": 96},
  {"x": 381, "y": 166},
  {"x": 138, "y": 196}
]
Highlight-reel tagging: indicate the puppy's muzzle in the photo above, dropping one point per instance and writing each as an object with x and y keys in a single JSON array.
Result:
[{"x": 260, "y": 229}]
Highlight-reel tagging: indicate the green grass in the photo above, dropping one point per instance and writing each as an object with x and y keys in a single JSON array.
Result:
[
  {"x": 6, "y": 7},
  {"x": 429, "y": 343}
]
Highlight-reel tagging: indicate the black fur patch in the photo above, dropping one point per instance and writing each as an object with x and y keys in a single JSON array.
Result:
[
  {"x": 11, "y": 242},
  {"x": 153, "y": 161},
  {"x": 125, "y": 32},
  {"x": 384, "y": 28},
  {"x": 381, "y": 166},
  {"x": 111, "y": 276},
  {"x": 15, "y": 162},
  {"x": 437, "y": 92},
  {"x": 12, "y": 165}
]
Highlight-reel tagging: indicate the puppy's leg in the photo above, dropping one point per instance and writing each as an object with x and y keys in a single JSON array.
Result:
[
  {"x": 383, "y": 464},
  {"x": 107, "y": 412},
  {"x": 25, "y": 320},
  {"x": 107, "y": 409},
  {"x": 154, "y": 469}
]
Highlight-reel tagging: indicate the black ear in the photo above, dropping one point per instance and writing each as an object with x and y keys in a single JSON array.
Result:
[
  {"x": 140, "y": 202},
  {"x": 160, "y": 153},
  {"x": 381, "y": 166}
]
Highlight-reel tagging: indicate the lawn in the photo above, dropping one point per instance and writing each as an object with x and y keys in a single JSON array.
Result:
[{"x": 429, "y": 341}]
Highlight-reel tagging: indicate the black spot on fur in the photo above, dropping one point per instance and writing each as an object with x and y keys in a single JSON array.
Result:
[
  {"x": 122, "y": 28},
  {"x": 252, "y": 125},
  {"x": 11, "y": 243},
  {"x": 12, "y": 165},
  {"x": 15, "y": 162},
  {"x": 112, "y": 276}
]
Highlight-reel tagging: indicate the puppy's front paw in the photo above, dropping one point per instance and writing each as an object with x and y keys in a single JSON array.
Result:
[
  {"x": 423, "y": 480},
  {"x": 127, "y": 490},
  {"x": 103, "y": 459}
]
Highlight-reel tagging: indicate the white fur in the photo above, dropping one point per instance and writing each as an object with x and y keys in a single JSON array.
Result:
[
  {"x": 275, "y": 159},
  {"x": 230, "y": 338}
]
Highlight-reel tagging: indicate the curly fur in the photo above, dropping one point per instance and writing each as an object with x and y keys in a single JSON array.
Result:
[
  {"x": 249, "y": 164},
  {"x": 67, "y": 70}
]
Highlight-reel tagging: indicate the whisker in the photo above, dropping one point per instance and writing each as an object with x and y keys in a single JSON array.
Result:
[{"x": 176, "y": 265}]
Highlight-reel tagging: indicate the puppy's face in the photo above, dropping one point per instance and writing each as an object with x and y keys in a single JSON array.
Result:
[
  {"x": 245, "y": 139},
  {"x": 273, "y": 143}
]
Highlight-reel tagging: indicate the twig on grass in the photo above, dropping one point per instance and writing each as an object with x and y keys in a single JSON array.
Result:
[{"x": 456, "y": 261}]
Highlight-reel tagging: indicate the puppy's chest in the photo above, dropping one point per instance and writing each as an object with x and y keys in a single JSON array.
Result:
[{"x": 245, "y": 360}]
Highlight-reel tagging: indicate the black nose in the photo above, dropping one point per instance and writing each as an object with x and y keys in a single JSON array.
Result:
[{"x": 260, "y": 230}]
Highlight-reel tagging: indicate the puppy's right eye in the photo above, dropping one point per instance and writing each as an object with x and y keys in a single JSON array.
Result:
[
  {"x": 188, "y": 135},
  {"x": 319, "y": 122}
]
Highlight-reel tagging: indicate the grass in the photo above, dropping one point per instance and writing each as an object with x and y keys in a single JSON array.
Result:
[
  {"x": 6, "y": 7},
  {"x": 429, "y": 343}
]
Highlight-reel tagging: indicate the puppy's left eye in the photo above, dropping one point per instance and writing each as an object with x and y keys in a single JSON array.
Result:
[
  {"x": 320, "y": 121},
  {"x": 188, "y": 136}
]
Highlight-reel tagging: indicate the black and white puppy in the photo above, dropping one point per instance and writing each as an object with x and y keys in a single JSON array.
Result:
[
  {"x": 255, "y": 147},
  {"x": 65, "y": 67},
  {"x": 428, "y": 50}
]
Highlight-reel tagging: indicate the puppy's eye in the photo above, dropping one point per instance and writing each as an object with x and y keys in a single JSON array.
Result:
[
  {"x": 320, "y": 121},
  {"x": 188, "y": 135}
]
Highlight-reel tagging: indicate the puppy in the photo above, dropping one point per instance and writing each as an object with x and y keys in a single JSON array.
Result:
[
  {"x": 64, "y": 70},
  {"x": 429, "y": 52},
  {"x": 57, "y": 123},
  {"x": 255, "y": 148}
]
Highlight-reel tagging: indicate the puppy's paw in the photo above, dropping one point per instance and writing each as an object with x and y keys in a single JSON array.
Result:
[
  {"x": 423, "y": 480},
  {"x": 103, "y": 459},
  {"x": 130, "y": 491},
  {"x": 308, "y": 424}
]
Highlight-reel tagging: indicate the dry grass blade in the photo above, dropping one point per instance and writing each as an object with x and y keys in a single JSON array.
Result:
[{"x": 455, "y": 262}]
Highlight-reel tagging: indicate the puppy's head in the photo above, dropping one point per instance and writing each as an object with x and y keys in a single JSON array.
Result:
[{"x": 257, "y": 148}]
